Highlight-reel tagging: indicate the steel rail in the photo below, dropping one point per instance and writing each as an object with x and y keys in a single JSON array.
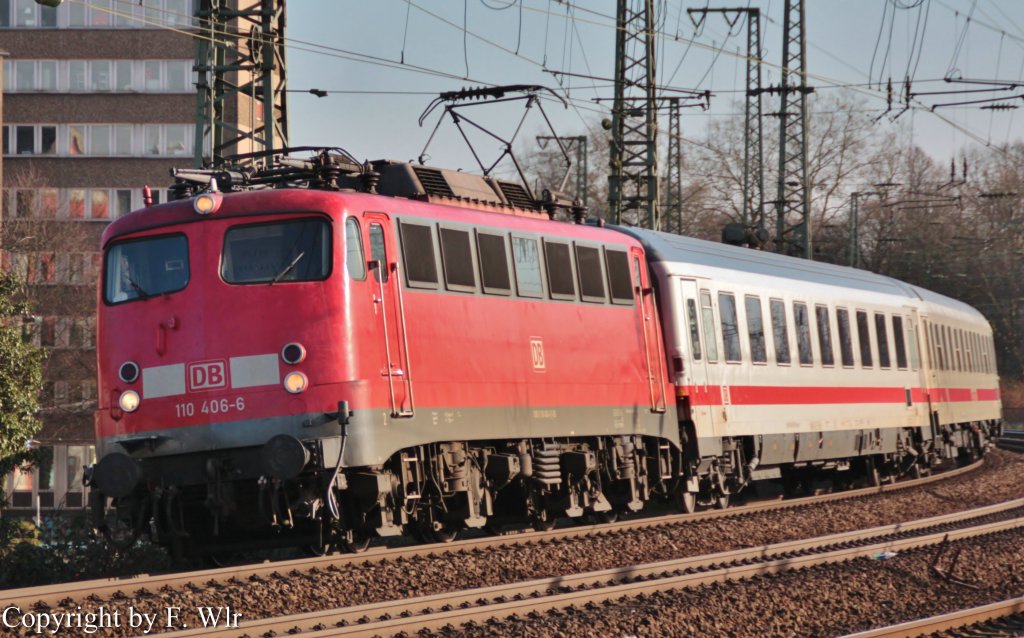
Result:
[
  {"x": 481, "y": 604},
  {"x": 53, "y": 595},
  {"x": 950, "y": 622}
]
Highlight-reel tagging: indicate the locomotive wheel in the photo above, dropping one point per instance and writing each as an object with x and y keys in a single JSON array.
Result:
[
  {"x": 687, "y": 502},
  {"x": 722, "y": 501},
  {"x": 543, "y": 521},
  {"x": 608, "y": 516},
  {"x": 355, "y": 542}
]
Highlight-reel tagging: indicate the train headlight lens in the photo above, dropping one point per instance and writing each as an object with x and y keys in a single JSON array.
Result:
[
  {"x": 129, "y": 401},
  {"x": 293, "y": 353},
  {"x": 129, "y": 372},
  {"x": 207, "y": 203},
  {"x": 295, "y": 382}
]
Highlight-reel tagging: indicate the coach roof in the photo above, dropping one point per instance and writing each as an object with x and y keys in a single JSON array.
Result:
[{"x": 671, "y": 250}]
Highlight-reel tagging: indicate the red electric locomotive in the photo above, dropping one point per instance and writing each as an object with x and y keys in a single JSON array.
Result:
[{"x": 324, "y": 351}]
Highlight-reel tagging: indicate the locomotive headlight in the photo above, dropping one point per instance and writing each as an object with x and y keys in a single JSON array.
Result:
[
  {"x": 129, "y": 401},
  {"x": 293, "y": 353},
  {"x": 295, "y": 382},
  {"x": 207, "y": 203},
  {"x": 129, "y": 372}
]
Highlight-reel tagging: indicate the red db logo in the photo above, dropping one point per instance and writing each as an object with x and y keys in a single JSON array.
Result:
[{"x": 207, "y": 375}]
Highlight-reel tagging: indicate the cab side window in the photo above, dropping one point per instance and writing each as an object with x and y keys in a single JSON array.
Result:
[{"x": 354, "y": 261}]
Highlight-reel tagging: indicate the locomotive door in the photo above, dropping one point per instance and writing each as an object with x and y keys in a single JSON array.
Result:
[
  {"x": 653, "y": 346},
  {"x": 694, "y": 354},
  {"x": 389, "y": 311}
]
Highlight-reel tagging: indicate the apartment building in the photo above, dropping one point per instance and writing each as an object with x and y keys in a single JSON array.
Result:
[{"x": 99, "y": 101}]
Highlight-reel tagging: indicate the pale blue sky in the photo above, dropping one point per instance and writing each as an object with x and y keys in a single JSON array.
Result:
[{"x": 374, "y": 104}]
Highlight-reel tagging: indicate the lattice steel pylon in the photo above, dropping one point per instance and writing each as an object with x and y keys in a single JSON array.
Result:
[
  {"x": 793, "y": 209},
  {"x": 241, "y": 104},
  {"x": 633, "y": 155},
  {"x": 673, "y": 210},
  {"x": 753, "y": 149}
]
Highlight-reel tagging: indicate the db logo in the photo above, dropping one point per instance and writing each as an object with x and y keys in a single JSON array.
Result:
[
  {"x": 537, "y": 353},
  {"x": 207, "y": 375}
]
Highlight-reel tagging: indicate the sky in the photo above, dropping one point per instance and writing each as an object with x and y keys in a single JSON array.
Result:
[{"x": 383, "y": 62}]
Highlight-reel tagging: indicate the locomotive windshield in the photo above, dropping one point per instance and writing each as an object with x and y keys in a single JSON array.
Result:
[
  {"x": 141, "y": 268},
  {"x": 287, "y": 251}
]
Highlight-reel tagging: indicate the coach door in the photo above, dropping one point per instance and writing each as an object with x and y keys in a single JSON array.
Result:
[
  {"x": 653, "y": 346},
  {"x": 389, "y": 311},
  {"x": 693, "y": 353}
]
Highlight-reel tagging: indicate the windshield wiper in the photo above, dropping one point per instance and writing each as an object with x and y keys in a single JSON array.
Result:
[
  {"x": 142, "y": 294},
  {"x": 287, "y": 269}
]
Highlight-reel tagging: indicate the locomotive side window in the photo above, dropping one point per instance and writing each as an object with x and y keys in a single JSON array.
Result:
[
  {"x": 803, "y": 334},
  {"x": 828, "y": 357},
  {"x": 354, "y": 260},
  {"x": 618, "y": 276},
  {"x": 845, "y": 338},
  {"x": 559, "y": 262},
  {"x": 780, "y": 331},
  {"x": 277, "y": 252},
  {"x": 417, "y": 253},
  {"x": 864, "y": 337},
  {"x": 707, "y": 320},
  {"x": 457, "y": 257},
  {"x": 691, "y": 316},
  {"x": 526, "y": 258},
  {"x": 588, "y": 263},
  {"x": 897, "y": 335},
  {"x": 883, "y": 341},
  {"x": 755, "y": 330},
  {"x": 140, "y": 268},
  {"x": 493, "y": 264},
  {"x": 378, "y": 252},
  {"x": 730, "y": 327}
]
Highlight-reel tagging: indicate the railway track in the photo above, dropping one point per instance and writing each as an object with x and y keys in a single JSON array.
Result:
[
  {"x": 483, "y": 605},
  {"x": 52, "y": 596},
  {"x": 1012, "y": 440},
  {"x": 1002, "y": 619}
]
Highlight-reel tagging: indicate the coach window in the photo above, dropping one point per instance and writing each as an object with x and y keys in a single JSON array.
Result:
[
  {"x": 494, "y": 273},
  {"x": 559, "y": 264},
  {"x": 915, "y": 355},
  {"x": 883, "y": 341},
  {"x": 707, "y": 319},
  {"x": 803, "y": 333},
  {"x": 354, "y": 261},
  {"x": 948, "y": 358},
  {"x": 755, "y": 330},
  {"x": 864, "y": 338},
  {"x": 845, "y": 338},
  {"x": 588, "y": 265},
  {"x": 897, "y": 335},
  {"x": 828, "y": 357},
  {"x": 954, "y": 338},
  {"x": 619, "y": 280},
  {"x": 526, "y": 258},
  {"x": 418, "y": 254},
  {"x": 730, "y": 327},
  {"x": 691, "y": 316},
  {"x": 780, "y": 331},
  {"x": 457, "y": 257},
  {"x": 988, "y": 361}
]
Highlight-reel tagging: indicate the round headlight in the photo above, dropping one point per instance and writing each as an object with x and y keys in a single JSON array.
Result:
[
  {"x": 293, "y": 353},
  {"x": 207, "y": 203},
  {"x": 295, "y": 382},
  {"x": 129, "y": 372},
  {"x": 129, "y": 401}
]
